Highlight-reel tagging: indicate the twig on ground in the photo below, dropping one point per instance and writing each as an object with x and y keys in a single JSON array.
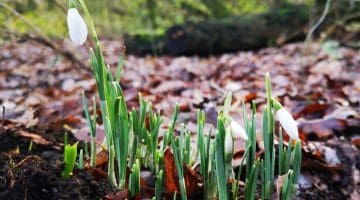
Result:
[{"x": 35, "y": 157}]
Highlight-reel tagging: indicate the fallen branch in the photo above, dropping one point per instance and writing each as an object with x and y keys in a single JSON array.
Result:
[
  {"x": 339, "y": 23},
  {"x": 65, "y": 53},
  {"x": 319, "y": 22},
  {"x": 43, "y": 39}
]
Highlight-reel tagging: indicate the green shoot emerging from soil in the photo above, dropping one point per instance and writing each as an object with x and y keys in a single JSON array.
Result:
[
  {"x": 131, "y": 140},
  {"x": 70, "y": 153}
]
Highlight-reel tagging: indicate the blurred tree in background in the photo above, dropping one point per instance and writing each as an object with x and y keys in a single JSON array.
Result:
[
  {"x": 114, "y": 17},
  {"x": 153, "y": 17}
]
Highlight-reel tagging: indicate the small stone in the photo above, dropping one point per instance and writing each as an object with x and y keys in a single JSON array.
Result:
[{"x": 330, "y": 156}]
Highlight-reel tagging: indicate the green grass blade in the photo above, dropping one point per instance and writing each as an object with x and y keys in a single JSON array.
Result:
[{"x": 120, "y": 67}]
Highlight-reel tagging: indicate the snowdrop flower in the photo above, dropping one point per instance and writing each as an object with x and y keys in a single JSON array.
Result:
[
  {"x": 237, "y": 130},
  {"x": 286, "y": 120},
  {"x": 228, "y": 146},
  {"x": 77, "y": 27}
]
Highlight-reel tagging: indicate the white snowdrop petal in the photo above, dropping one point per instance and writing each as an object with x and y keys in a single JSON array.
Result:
[
  {"x": 228, "y": 144},
  {"x": 84, "y": 32},
  {"x": 238, "y": 131},
  {"x": 77, "y": 27},
  {"x": 288, "y": 123}
]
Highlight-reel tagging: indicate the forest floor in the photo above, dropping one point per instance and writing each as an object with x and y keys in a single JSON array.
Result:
[{"x": 41, "y": 93}]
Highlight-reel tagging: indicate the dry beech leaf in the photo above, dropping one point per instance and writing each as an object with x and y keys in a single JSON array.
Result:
[
  {"x": 279, "y": 182},
  {"x": 120, "y": 195},
  {"x": 322, "y": 129},
  {"x": 38, "y": 139},
  {"x": 315, "y": 161},
  {"x": 27, "y": 119},
  {"x": 171, "y": 180},
  {"x": 310, "y": 111},
  {"x": 356, "y": 141}
]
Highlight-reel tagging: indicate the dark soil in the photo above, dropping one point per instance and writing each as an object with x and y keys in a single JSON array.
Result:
[
  {"x": 36, "y": 174},
  {"x": 342, "y": 184}
]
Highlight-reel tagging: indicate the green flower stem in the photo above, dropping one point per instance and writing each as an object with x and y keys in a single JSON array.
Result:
[
  {"x": 81, "y": 159},
  {"x": 72, "y": 3},
  {"x": 93, "y": 153},
  {"x": 90, "y": 21},
  {"x": 281, "y": 153},
  {"x": 111, "y": 168},
  {"x": 220, "y": 165},
  {"x": 276, "y": 104},
  {"x": 268, "y": 137},
  {"x": 296, "y": 164}
]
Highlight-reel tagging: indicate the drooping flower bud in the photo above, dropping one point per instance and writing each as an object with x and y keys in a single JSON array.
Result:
[
  {"x": 228, "y": 146},
  {"x": 237, "y": 130},
  {"x": 286, "y": 120},
  {"x": 77, "y": 27}
]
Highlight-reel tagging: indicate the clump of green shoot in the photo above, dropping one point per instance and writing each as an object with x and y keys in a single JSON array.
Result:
[
  {"x": 178, "y": 154},
  {"x": 112, "y": 105},
  {"x": 252, "y": 165},
  {"x": 184, "y": 142},
  {"x": 204, "y": 145},
  {"x": 227, "y": 129},
  {"x": 178, "y": 157},
  {"x": 138, "y": 129},
  {"x": 268, "y": 137},
  {"x": 289, "y": 160},
  {"x": 152, "y": 140},
  {"x": 132, "y": 137},
  {"x": 70, "y": 153}
]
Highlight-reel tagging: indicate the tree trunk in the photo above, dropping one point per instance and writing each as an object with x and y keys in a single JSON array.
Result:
[{"x": 219, "y": 36}]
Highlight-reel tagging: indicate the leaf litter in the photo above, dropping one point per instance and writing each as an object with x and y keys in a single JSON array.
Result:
[{"x": 42, "y": 95}]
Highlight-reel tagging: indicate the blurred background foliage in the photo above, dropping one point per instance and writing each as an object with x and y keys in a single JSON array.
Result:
[
  {"x": 153, "y": 26},
  {"x": 115, "y": 17}
]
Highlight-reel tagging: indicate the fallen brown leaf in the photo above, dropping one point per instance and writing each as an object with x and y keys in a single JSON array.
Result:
[
  {"x": 356, "y": 141},
  {"x": 38, "y": 139},
  {"x": 27, "y": 119},
  {"x": 120, "y": 195},
  {"x": 322, "y": 129},
  {"x": 171, "y": 180}
]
